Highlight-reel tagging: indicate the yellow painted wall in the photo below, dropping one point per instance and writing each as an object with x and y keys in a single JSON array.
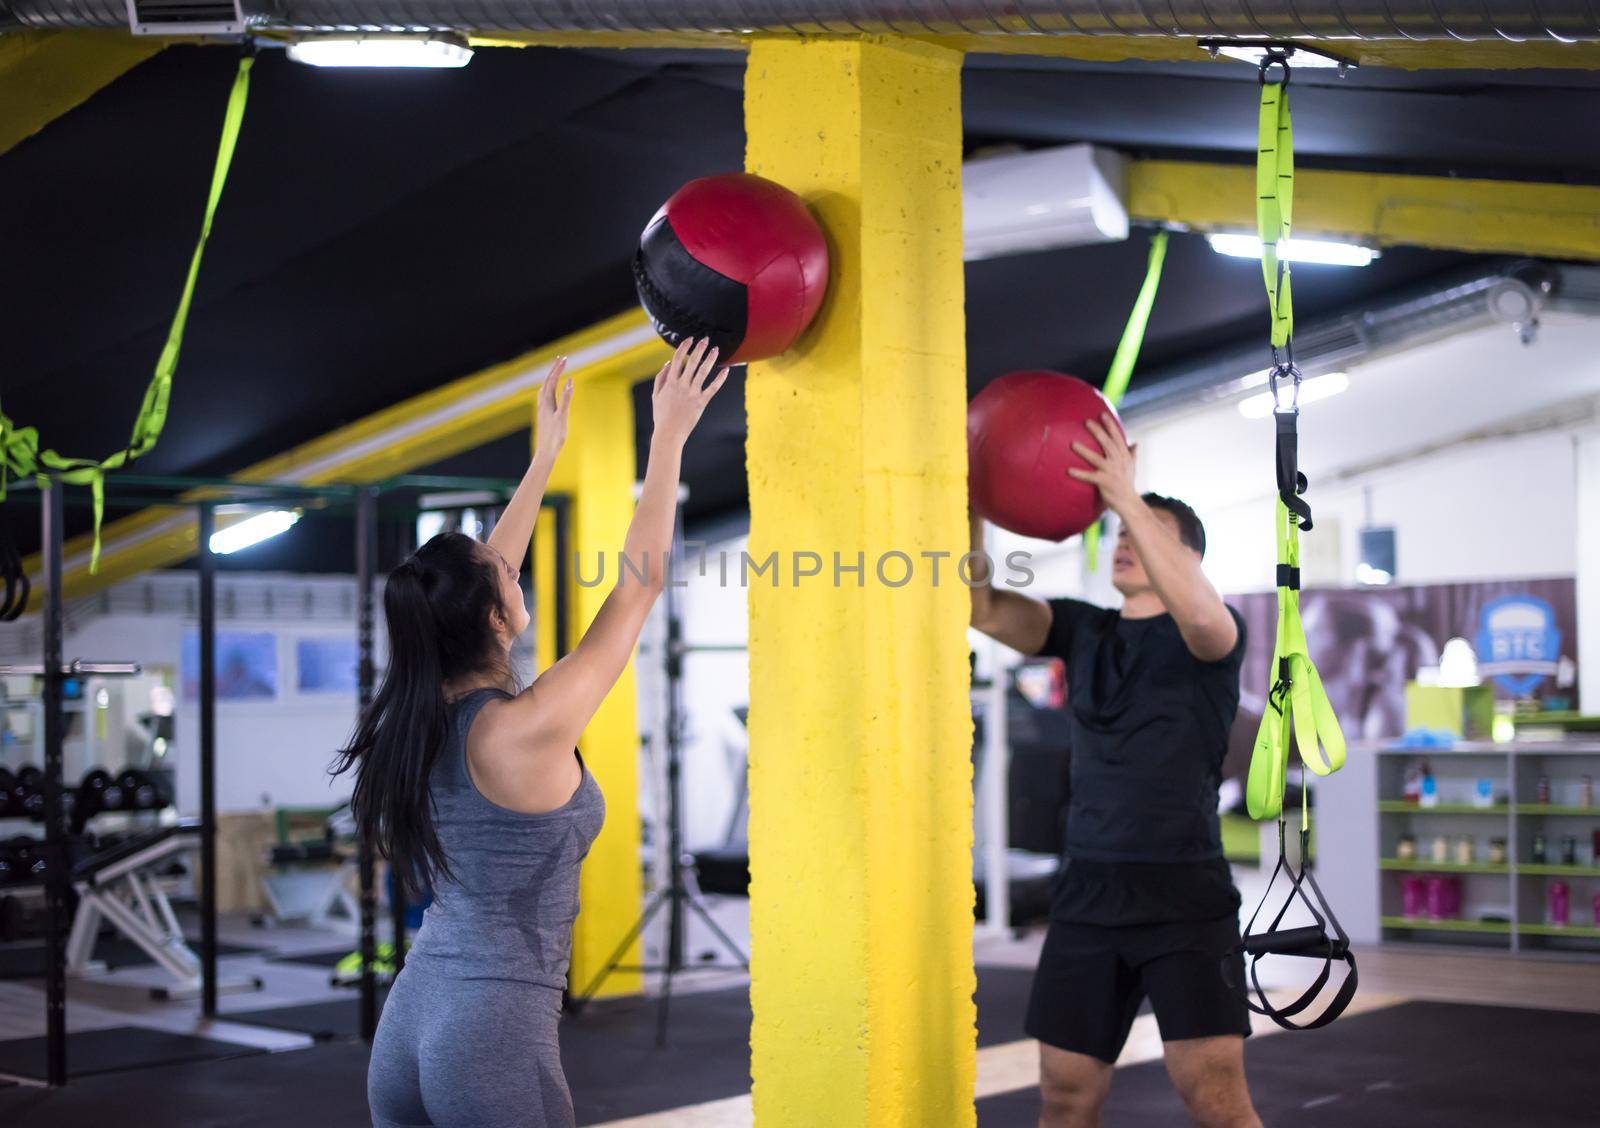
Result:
[
  {"x": 597, "y": 469},
  {"x": 860, "y": 728}
]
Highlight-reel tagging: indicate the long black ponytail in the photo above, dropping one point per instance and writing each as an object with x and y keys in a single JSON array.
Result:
[{"x": 437, "y": 605}]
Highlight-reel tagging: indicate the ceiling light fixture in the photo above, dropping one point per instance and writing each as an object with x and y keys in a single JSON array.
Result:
[
  {"x": 382, "y": 51},
  {"x": 1257, "y": 51},
  {"x": 253, "y": 530},
  {"x": 1316, "y": 388},
  {"x": 1325, "y": 252}
]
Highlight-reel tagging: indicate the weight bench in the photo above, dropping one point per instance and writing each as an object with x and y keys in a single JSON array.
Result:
[
  {"x": 122, "y": 884},
  {"x": 310, "y": 881}
]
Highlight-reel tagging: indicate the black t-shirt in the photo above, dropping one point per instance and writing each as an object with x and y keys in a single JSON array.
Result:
[{"x": 1149, "y": 729}]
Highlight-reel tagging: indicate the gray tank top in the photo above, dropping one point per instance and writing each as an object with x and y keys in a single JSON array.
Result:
[{"x": 507, "y": 910}]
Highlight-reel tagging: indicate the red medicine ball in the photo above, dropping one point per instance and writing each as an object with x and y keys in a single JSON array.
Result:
[
  {"x": 1020, "y": 431},
  {"x": 735, "y": 258}
]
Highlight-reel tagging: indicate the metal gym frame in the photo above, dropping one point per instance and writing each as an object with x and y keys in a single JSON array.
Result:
[{"x": 206, "y": 496}]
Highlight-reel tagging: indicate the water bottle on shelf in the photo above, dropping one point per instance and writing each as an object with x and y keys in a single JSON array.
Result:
[
  {"x": 1438, "y": 899},
  {"x": 1415, "y": 897},
  {"x": 1430, "y": 788},
  {"x": 1559, "y": 903}
]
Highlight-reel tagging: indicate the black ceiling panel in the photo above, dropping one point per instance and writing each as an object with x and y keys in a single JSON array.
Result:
[{"x": 386, "y": 232}]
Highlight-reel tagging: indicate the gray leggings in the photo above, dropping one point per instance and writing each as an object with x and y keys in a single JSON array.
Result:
[{"x": 467, "y": 1053}]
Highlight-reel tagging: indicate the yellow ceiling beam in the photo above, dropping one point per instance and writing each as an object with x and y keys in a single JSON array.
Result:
[
  {"x": 1380, "y": 209},
  {"x": 1404, "y": 54},
  {"x": 43, "y": 74},
  {"x": 449, "y": 420}
]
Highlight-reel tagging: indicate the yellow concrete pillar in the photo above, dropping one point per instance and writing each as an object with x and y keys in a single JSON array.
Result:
[
  {"x": 597, "y": 470},
  {"x": 860, "y": 728}
]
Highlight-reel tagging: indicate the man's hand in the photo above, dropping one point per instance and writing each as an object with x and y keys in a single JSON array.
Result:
[
  {"x": 1111, "y": 467},
  {"x": 550, "y": 428}
]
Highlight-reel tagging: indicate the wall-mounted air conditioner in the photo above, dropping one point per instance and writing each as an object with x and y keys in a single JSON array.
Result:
[{"x": 1068, "y": 196}]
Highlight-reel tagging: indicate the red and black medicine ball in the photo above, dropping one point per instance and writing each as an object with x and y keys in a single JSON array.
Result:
[
  {"x": 735, "y": 258},
  {"x": 1020, "y": 431}
]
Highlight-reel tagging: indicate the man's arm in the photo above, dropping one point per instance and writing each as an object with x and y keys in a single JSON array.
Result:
[
  {"x": 1207, "y": 626},
  {"x": 1009, "y": 617}
]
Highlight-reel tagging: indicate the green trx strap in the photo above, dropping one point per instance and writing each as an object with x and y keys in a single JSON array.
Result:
[
  {"x": 1275, "y": 203},
  {"x": 1297, "y": 702},
  {"x": 20, "y": 445},
  {"x": 1127, "y": 355},
  {"x": 1297, "y": 707}
]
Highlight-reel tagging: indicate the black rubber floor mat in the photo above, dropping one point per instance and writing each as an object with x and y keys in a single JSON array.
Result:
[
  {"x": 337, "y": 1018},
  {"x": 1415, "y": 1065},
  {"x": 113, "y": 1050},
  {"x": 316, "y": 959},
  {"x": 26, "y": 961}
]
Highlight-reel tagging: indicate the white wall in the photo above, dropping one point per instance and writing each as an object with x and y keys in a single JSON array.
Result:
[
  {"x": 269, "y": 753},
  {"x": 1586, "y": 458},
  {"x": 1415, "y": 438}
]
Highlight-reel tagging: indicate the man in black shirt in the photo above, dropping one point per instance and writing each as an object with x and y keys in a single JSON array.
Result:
[{"x": 1146, "y": 906}]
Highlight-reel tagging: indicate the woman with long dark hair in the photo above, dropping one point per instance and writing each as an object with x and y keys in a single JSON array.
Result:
[{"x": 476, "y": 791}]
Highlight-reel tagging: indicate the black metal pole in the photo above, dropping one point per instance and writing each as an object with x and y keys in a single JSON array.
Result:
[
  {"x": 208, "y": 763},
  {"x": 563, "y": 510},
  {"x": 676, "y": 893},
  {"x": 366, "y": 550},
  {"x": 58, "y": 882},
  {"x": 675, "y": 920},
  {"x": 367, "y": 530}
]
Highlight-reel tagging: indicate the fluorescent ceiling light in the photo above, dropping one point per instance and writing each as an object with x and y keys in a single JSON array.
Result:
[
  {"x": 1312, "y": 390},
  {"x": 381, "y": 51},
  {"x": 1300, "y": 58},
  {"x": 252, "y": 530},
  {"x": 1323, "y": 251}
]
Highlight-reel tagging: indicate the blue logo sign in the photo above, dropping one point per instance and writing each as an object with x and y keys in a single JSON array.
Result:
[{"x": 1518, "y": 643}]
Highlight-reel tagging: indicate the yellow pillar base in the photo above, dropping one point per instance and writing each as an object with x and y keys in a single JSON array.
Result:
[
  {"x": 860, "y": 728},
  {"x": 596, "y": 469}
]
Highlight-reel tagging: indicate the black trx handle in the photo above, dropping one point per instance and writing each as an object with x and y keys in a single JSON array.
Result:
[
  {"x": 1309, "y": 940},
  {"x": 1291, "y": 482},
  {"x": 15, "y": 574},
  {"x": 1324, "y": 940}
]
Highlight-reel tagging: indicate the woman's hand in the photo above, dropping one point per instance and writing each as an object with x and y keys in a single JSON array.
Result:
[
  {"x": 1112, "y": 465},
  {"x": 683, "y": 387},
  {"x": 550, "y": 430}
]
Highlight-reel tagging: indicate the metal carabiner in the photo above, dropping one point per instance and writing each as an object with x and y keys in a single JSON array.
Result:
[{"x": 1284, "y": 370}]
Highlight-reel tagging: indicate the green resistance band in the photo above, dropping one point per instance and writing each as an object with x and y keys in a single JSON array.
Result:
[
  {"x": 1127, "y": 355},
  {"x": 20, "y": 445},
  {"x": 1275, "y": 204},
  {"x": 1297, "y": 704},
  {"x": 1297, "y": 707}
]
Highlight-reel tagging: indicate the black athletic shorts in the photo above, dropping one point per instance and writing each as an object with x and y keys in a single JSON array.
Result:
[{"x": 1092, "y": 979}]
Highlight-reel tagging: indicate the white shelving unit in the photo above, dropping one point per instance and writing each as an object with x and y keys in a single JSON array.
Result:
[{"x": 1517, "y": 889}]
